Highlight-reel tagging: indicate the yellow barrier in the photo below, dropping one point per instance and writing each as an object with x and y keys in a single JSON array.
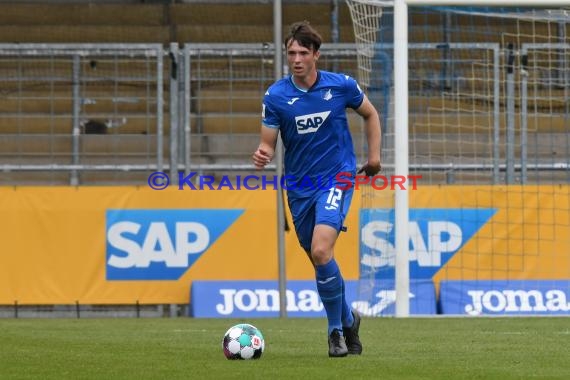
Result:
[{"x": 55, "y": 241}]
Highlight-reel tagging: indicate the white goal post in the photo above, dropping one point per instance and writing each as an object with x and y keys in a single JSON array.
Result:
[
  {"x": 401, "y": 127},
  {"x": 363, "y": 13}
]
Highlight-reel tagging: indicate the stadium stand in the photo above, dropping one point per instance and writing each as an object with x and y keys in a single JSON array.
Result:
[{"x": 36, "y": 118}]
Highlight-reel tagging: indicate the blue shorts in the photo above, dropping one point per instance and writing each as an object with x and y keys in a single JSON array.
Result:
[{"x": 325, "y": 206}]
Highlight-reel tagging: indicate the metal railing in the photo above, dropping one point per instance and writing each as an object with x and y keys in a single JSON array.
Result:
[{"x": 114, "y": 113}]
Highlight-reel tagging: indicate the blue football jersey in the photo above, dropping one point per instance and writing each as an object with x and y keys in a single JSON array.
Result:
[{"x": 313, "y": 127}]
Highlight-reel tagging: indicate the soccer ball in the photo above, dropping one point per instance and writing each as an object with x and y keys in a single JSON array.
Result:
[{"x": 243, "y": 341}]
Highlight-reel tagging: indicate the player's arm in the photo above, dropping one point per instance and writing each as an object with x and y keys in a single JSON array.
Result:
[
  {"x": 264, "y": 153},
  {"x": 372, "y": 128}
]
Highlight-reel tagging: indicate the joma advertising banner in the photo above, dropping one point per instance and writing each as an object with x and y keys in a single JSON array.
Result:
[
  {"x": 255, "y": 299},
  {"x": 514, "y": 297}
]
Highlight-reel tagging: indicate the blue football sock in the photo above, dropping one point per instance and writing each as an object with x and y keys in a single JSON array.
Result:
[
  {"x": 347, "y": 317},
  {"x": 329, "y": 286}
]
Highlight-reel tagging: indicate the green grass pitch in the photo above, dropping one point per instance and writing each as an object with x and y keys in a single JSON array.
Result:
[{"x": 186, "y": 348}]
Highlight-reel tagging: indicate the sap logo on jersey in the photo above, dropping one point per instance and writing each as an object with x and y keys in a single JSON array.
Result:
[
  {"x": 435, "y": 236},
  {"x": 310, "y": 123},
  {"x": 161, "y": 244}
]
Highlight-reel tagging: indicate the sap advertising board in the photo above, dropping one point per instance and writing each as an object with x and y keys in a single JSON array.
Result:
[
  {"x": 161, "y": 244},
  {"x": 436, "y": 235}
]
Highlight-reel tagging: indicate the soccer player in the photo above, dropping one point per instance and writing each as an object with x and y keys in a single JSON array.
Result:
[{"x": 308, "y": 108}]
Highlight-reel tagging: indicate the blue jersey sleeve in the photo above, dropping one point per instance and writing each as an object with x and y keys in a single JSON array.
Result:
[
  {"x": 354, "y": 94},
  {"x": 269, "y": 116}
]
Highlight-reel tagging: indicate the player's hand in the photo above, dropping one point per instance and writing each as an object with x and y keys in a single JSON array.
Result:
[
  {"x": 371, "y": 169},
  {"x": 261, "y": 158}
]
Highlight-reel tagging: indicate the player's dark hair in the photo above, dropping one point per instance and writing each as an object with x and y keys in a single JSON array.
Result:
[{"x": 305, "y": 35}]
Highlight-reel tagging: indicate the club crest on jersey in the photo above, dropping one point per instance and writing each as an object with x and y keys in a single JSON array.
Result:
[
  {"x": 310, "y": 123},
  {"x": 327, "y": 95}
]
